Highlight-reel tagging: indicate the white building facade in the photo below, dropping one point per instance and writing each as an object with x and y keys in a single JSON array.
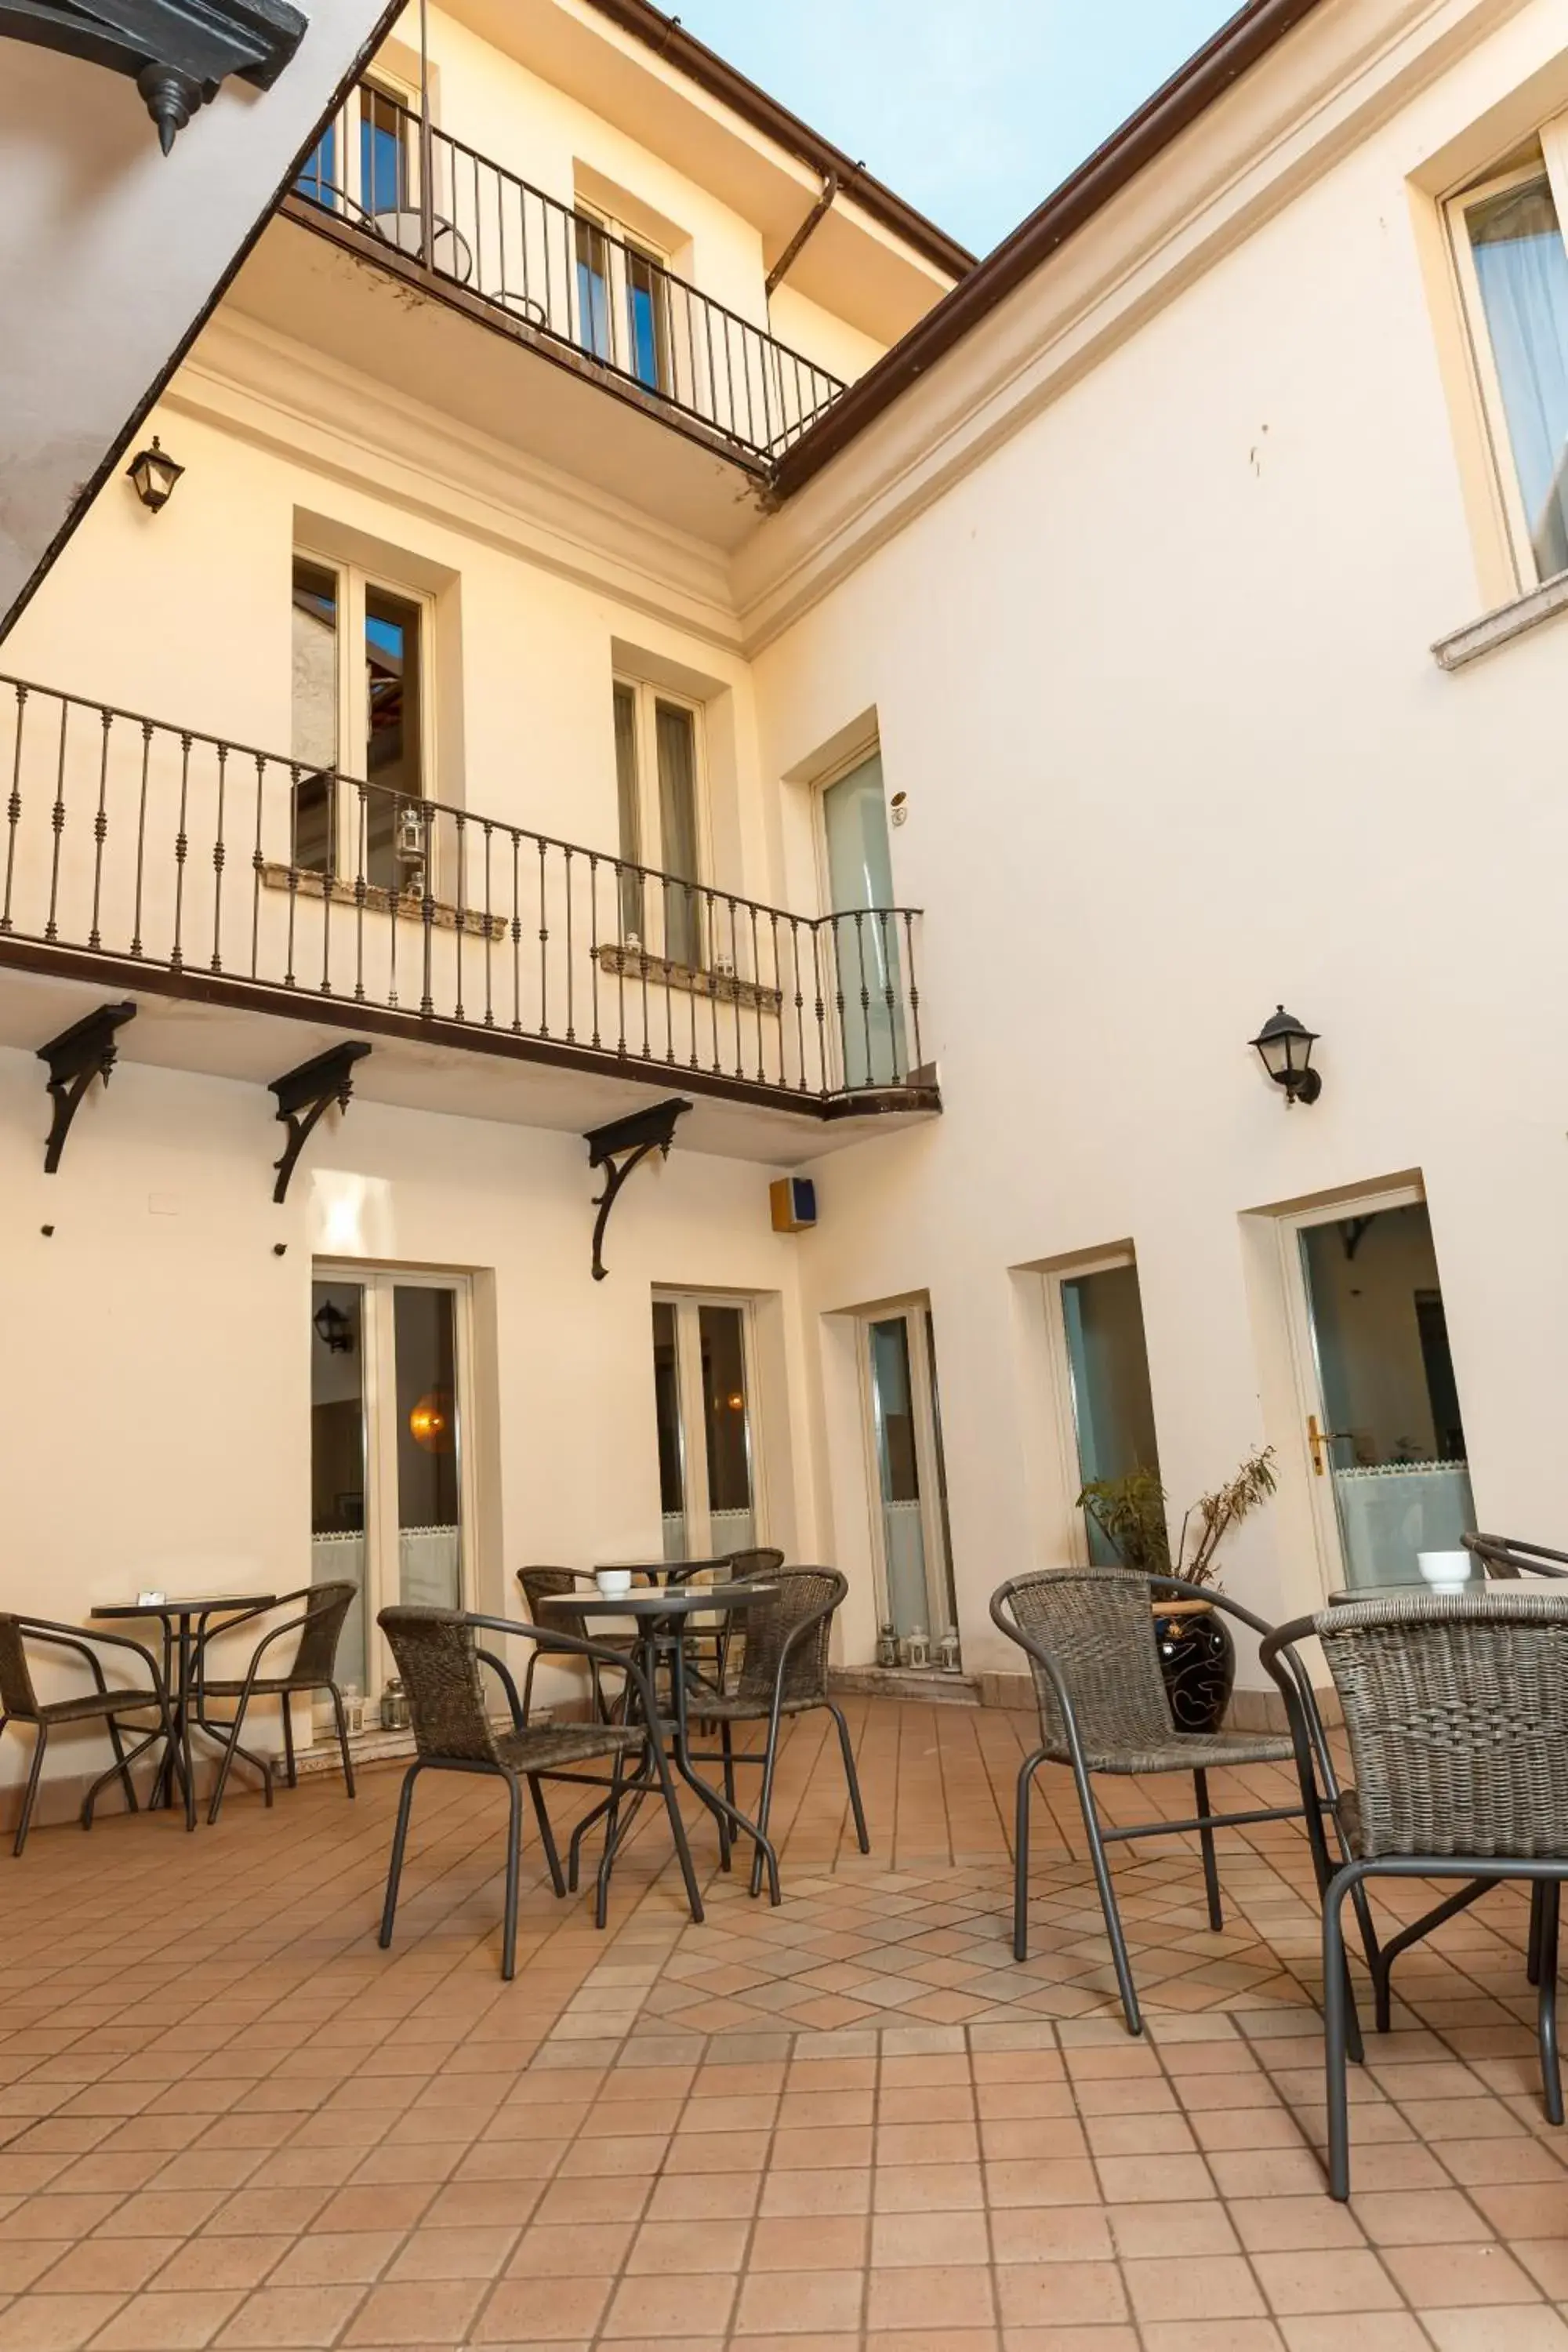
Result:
[{"x": 591, "y": 681}]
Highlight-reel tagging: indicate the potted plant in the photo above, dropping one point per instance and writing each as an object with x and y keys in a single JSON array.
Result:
[{"x": 1196, "y": 1656}]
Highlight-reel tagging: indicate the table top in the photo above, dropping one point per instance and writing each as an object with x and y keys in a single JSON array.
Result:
[
  {"x": 178, "y": 1605},
  {"x": 1402, "y": 1591},
  {"x": 687, "y": 1602}
]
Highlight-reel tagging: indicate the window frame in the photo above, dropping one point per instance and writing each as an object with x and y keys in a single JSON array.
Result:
[
  {"x": 647, "y": 696},
  {"x": 1553, "y": 136},
  {"x": 618, "y": 242},
  {"x": 355, "y": 583},
  {"x": 378, "y": 1285},
  {"x": 686, "y": 1306}
]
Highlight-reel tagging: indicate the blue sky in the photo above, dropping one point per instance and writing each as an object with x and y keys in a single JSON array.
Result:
[{"x": 973, "y": 109}]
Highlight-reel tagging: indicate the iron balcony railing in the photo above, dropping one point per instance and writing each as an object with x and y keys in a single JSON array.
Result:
[
  {"x": 161, "y": 847},
  {"x": 388, "y": 170}
]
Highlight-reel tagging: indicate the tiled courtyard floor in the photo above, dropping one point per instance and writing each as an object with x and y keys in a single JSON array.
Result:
[{"x": 852, "y": 2125}]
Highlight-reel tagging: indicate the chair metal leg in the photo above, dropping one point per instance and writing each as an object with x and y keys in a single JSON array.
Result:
[
  {"x": 117, "y": 1742},
  {"x": 847, "y": 1750},
  {"x": 342, "y": 1737},
  {"x": 677, "y": 1826},
  {"x": 1546, "y": 2001},
  {"x": 1124, "y": 1965},
  {"x": 1205, "y": 1840},
  {"x": 765, "y": 1801},
  {"x": 727, "y": 1745},
  {"x": 1532, "y": 1954},
  {"x": 221, "y": 1783},
  {"x": 546, "y": 1834},
  {"x": 399, "y": 1841},
  {"x": 288, "y": 1740},
  {"x": 1339, "y": 2005},
  {"x": 35, "y": 1776},
  {"x": 1026, "y": 1772},
  {"x": 612, "y": 1819},
  {"x": 513, "y": 1856}
]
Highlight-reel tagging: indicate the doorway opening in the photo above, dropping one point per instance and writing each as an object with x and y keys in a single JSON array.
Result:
[
  {"x": 916, "y": 1612},
  {"x": 1384, "y": 1432},
  {"x": 704, "y": 1384}
]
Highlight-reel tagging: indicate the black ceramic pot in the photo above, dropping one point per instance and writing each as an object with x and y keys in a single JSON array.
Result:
[{"x": 1198, "y": 1662}]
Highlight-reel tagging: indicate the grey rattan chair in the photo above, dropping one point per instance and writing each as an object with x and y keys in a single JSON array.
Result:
[
  {"x": 1506, "y": 1559},
  {"x": 1456, "y": 1705},
  {"x": 711, "y": 1643},
  {"x": 1088, "y": 1635},
  {"x": 439, "y": 1658},
  {"x": 20, "y": 1703},
  {"x": 537, "y": 1584},
  {"x": 313, "y": 1667},
  {"x": 783, "y": 1672}
]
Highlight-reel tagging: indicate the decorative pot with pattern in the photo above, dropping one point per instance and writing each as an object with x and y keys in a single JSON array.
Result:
[{"x": 1198, "y": 1659}]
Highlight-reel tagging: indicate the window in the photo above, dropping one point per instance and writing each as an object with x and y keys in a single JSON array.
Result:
[
  {"x": 704, "y": 1387},
  {"x": 360, "y": 166},
  {"x": 617, "y": 275},
  {"x": 362, "y": 716},
  {"x": 658, "y": 795},
  {"x": 1100, "y": 1310},
  {"x": 1513, "y": 265},
  {"x": 388, "y": 1466}
]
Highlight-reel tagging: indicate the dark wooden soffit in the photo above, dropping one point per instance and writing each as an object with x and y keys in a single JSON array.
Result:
[
  {"x": 722, "y": 80},
  {"x": 1238, "y": 45}
]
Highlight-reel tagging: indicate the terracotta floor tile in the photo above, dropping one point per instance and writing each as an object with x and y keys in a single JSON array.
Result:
[
  {"x": 303, "y": 2316},
  {"x": 543, "y": 2311},
  {"x": 1508, "y": 2328},
  {"x": 826, "y": 2242},
  {"x": 1041, "y": 2295},
  {"x": 672, "y": 2306},
  {"x": 424, "y": 2313},
  {"x": 55, "y": 2323},
  {"x": 107, "y": 2265},
  {"x": 355, "y": 2258},
  {"x": 1439, "y": 2278},
  {"x": 1220, "y": 2286},
  {"x": 817, "y": 2303},
  {"x": 929, "y": 2240},
  {"x": 166, "y": 2323},
  {"x": 1307, "y": 2281},
  {"x": 571, "y": 2249}
]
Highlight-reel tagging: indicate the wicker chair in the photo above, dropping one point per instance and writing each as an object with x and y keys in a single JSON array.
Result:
[
  {"x": 538, "y": 1584},
  {"x": 1506, "y": 1559},
  {"x": 1456, "y": 1705},
  {"x": 783, "y": 1672},
  {"x": 313, "y": 1668},
  {"x": 1089, "y": 1635},
  {"x": 19, "y": 1703},
  {"x": 439, "y": 1658},
  {"x": 711, "y": 1643}
]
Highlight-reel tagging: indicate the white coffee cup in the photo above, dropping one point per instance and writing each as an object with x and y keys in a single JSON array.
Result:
[
  {"x": 612, "y": 1582},
  {"x": 1445, "y": 1571}
]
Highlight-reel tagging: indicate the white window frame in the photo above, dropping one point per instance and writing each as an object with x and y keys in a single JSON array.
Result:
[
  {"x": 355, "y": 583},
  {"x": 693, "y": 1417},
  {"x": 1554, "y": 138},
  {"x": 646, "y": 697},
  {"x": 938, "y": 1568},
  {"x": 617, "y": 293},
  {"x": 377, "y": 1285},
  {"x": 1064, "y": 1385}
]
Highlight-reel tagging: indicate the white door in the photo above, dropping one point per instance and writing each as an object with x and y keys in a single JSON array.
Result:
[
  {"x": 1382, "y": 1425},
  {"x": 389, "y": 1465},
  {"x": 704, "y": 1388},
  {"x": 867, "y": 979},
  {"x": 903, "y": 1428}
]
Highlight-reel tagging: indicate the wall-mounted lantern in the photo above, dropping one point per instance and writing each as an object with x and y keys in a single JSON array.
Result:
[
  {"x": 155, "y": 473},
  {"x": 1284, "y": 1046},
  {"x": 334, "y": 1328}
]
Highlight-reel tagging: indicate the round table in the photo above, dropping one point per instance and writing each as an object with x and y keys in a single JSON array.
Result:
[
  {"x": 661, "y": 1621},
  {"x": 179, "y": 1650}
]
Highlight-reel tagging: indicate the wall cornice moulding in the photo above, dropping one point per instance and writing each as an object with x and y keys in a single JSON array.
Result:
[
  {"x": 248, "y": 380},
  {"x": 1340, "y": 73}
]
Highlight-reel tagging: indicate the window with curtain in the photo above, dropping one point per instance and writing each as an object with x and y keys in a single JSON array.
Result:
[
  {"x": 658, "y": 793},
  {"x": 1514, "y": 259}
]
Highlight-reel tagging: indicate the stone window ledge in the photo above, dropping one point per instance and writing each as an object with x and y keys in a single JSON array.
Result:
[
  {"x": 1514, "y": 619},
  {"x": 724, "y": 987},
  {"x": 308, "y": 883}
]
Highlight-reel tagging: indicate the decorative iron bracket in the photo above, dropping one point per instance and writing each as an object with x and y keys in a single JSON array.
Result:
[
  {"x": 617, "y": 1148},
  {"x": 76, "y": 1057},
  {"x": 304, "y": 1094},
  {"x": 178, "y": 52}
]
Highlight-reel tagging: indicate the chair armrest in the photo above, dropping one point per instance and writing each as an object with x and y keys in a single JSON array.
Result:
[
  {"x": 199, "y": 1671},
  {"x": 499, "y": 1667},
  {"x": 1277, "y": 1655},
  {"x": 77, "y": 1637},
  {"x": 624, "y": 1661}
]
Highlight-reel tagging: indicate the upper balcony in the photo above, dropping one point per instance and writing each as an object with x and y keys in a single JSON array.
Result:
[
  {"x": 220, "y": 883},
  {"x": 419, "y": 240}
]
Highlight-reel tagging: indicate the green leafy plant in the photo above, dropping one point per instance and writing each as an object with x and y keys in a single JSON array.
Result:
[{"x": 1129, "y": 1512}]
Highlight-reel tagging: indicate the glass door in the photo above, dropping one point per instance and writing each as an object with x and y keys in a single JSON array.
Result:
[
  {"x": 866, "y": 979},
  {"x": 389, "y": 1507},
  {"x": 904, "y": 1417},
  {"x": 1101, "y": 1314},
  {"x": 703, "y": 1388},
  {"x": 1384, "y": 1435}
]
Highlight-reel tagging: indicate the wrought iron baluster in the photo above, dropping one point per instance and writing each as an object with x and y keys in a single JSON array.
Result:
[
  {"x": 182, "y": 847},
  {"x": 256, "y": 863},
  {"x": 101, "y": 828},
  {"x": 864, "y": 991},
  {"x": 594, "y": 936},
  {"x": 462, "y": 854},
  {"x": 362, "y": 885},
  {"x": 58, "y": 825},
  {"x": 543, "y": 948},
  {"x": 912, "y": 992},
  {"x": 516, "y": 929},
  {"x": 889, "y": 966},
  {"x": 428, "y": 909},
  {"x": 399, "y": 896},
  {"x": 740, "y": 1070},
  {"x": 219, "y": 855},
  {"x": 571, "y": 996},
  {"x": 13, "y": 806},
  {"x": 489, "y": 943},
  {"x": 142, "y": 835},
  {"x": 756, "y": 994}
]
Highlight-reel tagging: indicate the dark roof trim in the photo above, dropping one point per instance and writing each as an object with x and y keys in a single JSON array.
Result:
[
  {"x": 722, "y": 80},
  {"x": 1248, "y": 37}
]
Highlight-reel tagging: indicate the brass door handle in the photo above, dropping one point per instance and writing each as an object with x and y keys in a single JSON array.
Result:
[{"x": 1320, "y": 1440}]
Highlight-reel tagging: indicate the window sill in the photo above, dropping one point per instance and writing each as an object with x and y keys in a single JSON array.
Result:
[
  {"x": 1514, "y": 619},
  {"x": 308, "y": 883},
  {"x": 724, "y": 987}
]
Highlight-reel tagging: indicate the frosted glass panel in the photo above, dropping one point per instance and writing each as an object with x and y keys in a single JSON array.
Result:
[{"x": 866, "y": 974}]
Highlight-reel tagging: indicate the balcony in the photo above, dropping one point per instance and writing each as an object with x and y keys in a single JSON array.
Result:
[
  {"x": 389, "y": 187},
  {"x": 152, "y": 857}
]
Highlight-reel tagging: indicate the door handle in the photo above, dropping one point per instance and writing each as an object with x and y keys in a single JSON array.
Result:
[{"x": 1320, "y": 1440}]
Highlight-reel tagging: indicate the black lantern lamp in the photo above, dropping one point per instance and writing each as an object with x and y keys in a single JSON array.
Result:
[
  {"x": 155, "y": 473},
  {"x": 1285, "y": 1049},
  {"x": 334, "y": 1328}
]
